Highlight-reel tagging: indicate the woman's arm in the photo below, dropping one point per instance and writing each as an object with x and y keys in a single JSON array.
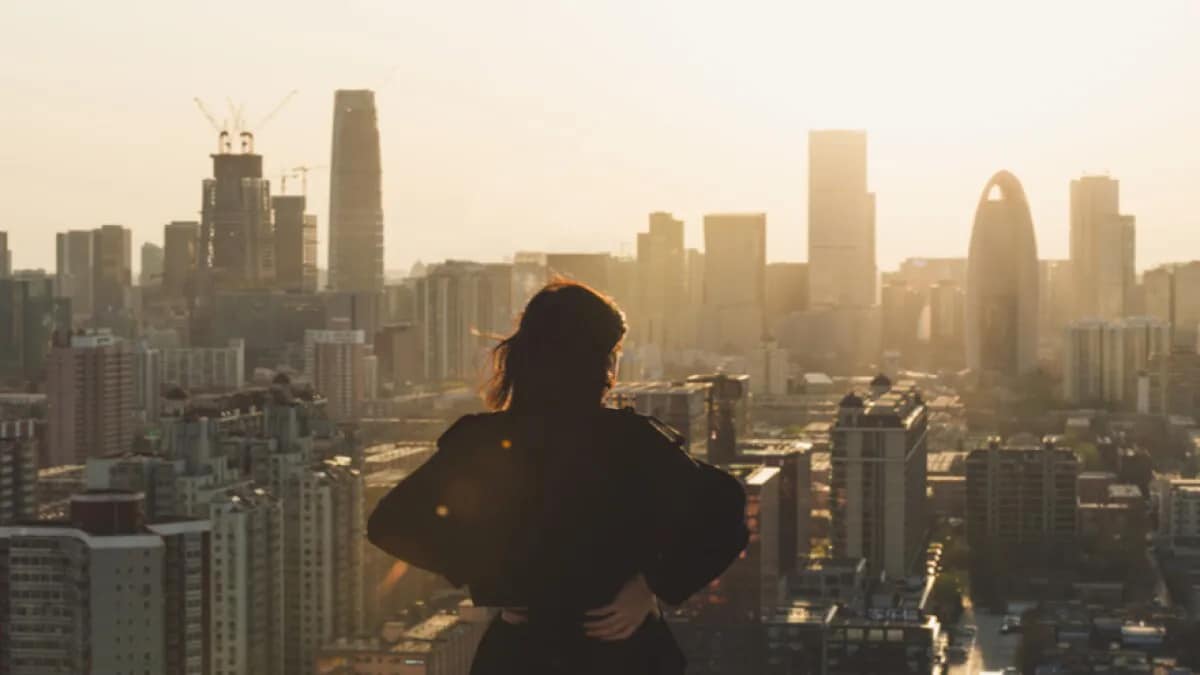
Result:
[
  {"x": 700, "y": 524},
  {"x": 416, "y": 522}
]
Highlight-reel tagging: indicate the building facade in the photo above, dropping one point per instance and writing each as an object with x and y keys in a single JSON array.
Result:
[
  {"x": 841, "y": 221},
  {"x": 355, "y": 194},
  {"x": 734, "y": 297},
  {"x": 90, "y": 396},
  {"x": 1002, "y": 282},
  {"x": 879, "y": 467},
  {"x": 1102, "y": 250}
]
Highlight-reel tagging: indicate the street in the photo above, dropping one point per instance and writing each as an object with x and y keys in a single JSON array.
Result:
[{"x": 993, "y": 651}]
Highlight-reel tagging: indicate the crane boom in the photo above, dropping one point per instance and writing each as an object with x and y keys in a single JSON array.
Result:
[
  {"x": 217, "y": 126},
  {"x": 275, "y": 111}
]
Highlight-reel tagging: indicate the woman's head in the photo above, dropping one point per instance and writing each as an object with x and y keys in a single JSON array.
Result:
[{"x": 564, "y": 350}]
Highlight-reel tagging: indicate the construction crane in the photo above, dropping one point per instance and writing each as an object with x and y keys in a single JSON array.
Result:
[
  {"x": 302, "y": 171},
  {"x": 222, "y": 130},
  {"x": 275, "y": 111}
]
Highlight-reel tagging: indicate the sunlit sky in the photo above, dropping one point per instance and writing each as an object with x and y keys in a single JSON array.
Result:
[{"x": 558, "y": 125}]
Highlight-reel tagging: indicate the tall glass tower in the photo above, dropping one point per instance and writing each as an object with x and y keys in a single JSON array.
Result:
[{"x": 355, "y": 195}]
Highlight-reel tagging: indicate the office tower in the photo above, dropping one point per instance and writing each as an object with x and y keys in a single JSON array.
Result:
[
  {"x": 153, "y": 259},
  {"x": 112, "y": 269},
  {"x": 900, "y": 314},
  {"x": 181, "y": 256},
  {"x": 1055, "y": 290},
  {"x": 461, "y": 303},
  {"x": 1021, "y": 497},
  {"x": 947, "y": 307},
  {"x": 30, "y": 315},
  {"x": 1103, "y": 361},
  {"x": 5, "y": 256},
  {"x": 117, "y": 595},
  {"x": 878, "y": 490},
  {"x": 841, "y": 220},
  {"x": 355, "y": 194},
  {"x": 295, "y": 244},
  {"x": 660, "y": 284},
  {"x": 323, "y": 546},
  {"x": 340, "y": 370},
  {"x": 1172, "y": 293},
  {"x": 90, "y": 398},
  {"x": 787, "y": 290},
  {"x": 734, "y": 298},
  {"x": 19, "y": 467},
  {"x": 73, "y": 270},
  {"x": 1002, "y": 282},
  {"x": 1102, "y": 249},
  {"x": 236, "y": 248}
]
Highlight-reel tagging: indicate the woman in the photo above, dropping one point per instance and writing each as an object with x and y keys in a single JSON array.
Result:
[{"x": 574, "y": 517}]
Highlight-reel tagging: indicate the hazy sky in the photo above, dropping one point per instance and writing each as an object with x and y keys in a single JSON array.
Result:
[{"x": 559, "y": 124}]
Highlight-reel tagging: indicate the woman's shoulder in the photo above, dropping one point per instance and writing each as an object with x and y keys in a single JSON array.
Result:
[
  {"x": 471, "y": 428},
  {"x": 645, "y": 429}
]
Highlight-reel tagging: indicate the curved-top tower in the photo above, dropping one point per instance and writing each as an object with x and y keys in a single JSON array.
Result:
[{"x": 1002, "y": 282}]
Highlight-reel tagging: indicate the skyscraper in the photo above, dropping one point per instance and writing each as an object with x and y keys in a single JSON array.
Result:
[
  {"x": 1102, "y": 249},
  {"x": 237, "y": 250},
  {"x": 295, "y": 244},
  {"x": 112, "y": 269},
  {"x": 735, "y": 270},
  {"x": 841, "y": 220},
  {"x": 1103, "y": 360},
  {"x": 1002, "y": 282},
  {"x": 460, "y": 302},
  {"x": 73, "y": 270},
  {"x": 181, "y": 252},
  {"x": 152, "y": 265},
  {"x": 90, "y": 398},
  {"x": 878, "y": 489},
  {"x": 355, "y": 194},
  {"x": 661, "y": 290},
  {"x": 5, "y": 256},
  {"x": 30, "y": 315},
  {"x": 340, "y": 370}
]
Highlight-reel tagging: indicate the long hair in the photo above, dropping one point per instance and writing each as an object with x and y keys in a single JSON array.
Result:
[{"x": 563, "y": 352}]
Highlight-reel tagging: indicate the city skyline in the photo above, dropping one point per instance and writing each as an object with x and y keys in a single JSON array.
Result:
[{"x": 461, "y": 181}]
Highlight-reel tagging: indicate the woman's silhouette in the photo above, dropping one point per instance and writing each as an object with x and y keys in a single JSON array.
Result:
[{"x": 574, "y": 517}]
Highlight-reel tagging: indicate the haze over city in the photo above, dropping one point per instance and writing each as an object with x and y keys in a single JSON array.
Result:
[{"x": 560, "y": 125}]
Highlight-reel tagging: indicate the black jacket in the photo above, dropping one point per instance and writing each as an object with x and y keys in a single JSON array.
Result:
[{"x": 556, "y": 513}]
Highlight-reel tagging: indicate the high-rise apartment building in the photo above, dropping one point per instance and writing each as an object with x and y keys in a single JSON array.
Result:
[
  {"x": 735, "y": 290},
  {"x": 90, "y": 395},
  {"x": 1021, "y": 497},
  {"x": 841, "y": 220},
  {"x": 104, "y": 592},
  {"x": 1002, "y": 282},
  {"x": 30, "y": 315},
  {"x": 151, "y": 272},
  {"x": 1103, "y": 360},
  {"x": 295, "y": 244},
  {"x": 460, "y": 304},
  {"x": 73, "y": 270},
  {"x": 1172, "y": 293},
  {"x": 194, "y": 369},
  {"x": 1055, "y": 289},
  {"x": 112, "y": 269},
  {"x": 900, "y": 309},
  {"x": 18, "y": 470},
  {"x": 181, "y": 257},
  {"x": 342, "y": 362},
  {"x": 593, "y": 269},
  {"x": 787, "y": 291},
  {"x": 878, "y": 491},
  {"x": 947, "y": 310},
  {"x": 794, "y": 461},
  {"x": 355, "y": 194},
  {"x": 236, "y": 246},
  {"x": 1174, "y": 383},
  {"x": 661, "y": 284},
  {"x": 1102, "y": 249},
  {"x": 1179, "y": 514}
]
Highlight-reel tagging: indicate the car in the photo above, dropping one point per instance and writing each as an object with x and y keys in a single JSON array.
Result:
[{"x": 1011, "y": 624}]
